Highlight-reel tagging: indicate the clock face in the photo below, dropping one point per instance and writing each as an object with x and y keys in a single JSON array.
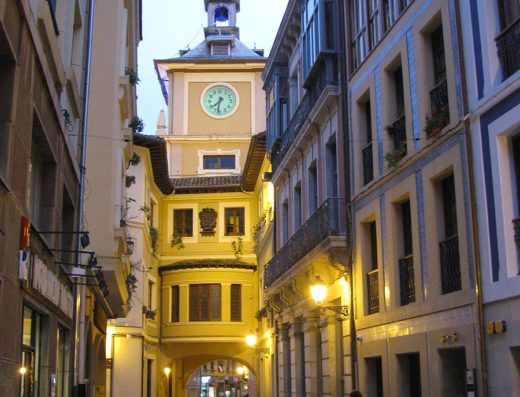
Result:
[{"x": 219, "y": 100}]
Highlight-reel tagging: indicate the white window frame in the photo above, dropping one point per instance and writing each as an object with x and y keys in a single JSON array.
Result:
[{"x": 219, "y": 152}]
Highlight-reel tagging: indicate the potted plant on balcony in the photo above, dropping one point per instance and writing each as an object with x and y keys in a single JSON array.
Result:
[
  {"x": 437, "y": 121},
  {"x": 154, "y": 238},
  {"x": 393, "y": 157}
]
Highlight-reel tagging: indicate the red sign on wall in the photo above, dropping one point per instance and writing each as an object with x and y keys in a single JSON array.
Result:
[{"x": 25, "y": 233}]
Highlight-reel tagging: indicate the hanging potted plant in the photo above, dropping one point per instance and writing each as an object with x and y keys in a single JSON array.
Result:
[{"x": 129, "y": 180}]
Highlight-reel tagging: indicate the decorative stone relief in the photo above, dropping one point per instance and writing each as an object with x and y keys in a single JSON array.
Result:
[{"x": 208, "y": 221}]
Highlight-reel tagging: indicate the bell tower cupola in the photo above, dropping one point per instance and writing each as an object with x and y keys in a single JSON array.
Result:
[{"x": 222, "y": 20}]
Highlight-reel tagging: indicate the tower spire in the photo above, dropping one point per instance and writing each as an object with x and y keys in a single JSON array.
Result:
[{"x": 222, "y": 18}]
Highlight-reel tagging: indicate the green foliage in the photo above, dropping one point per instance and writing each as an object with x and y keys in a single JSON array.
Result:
[
  {"x": 393, "y": 157},
  {"x": 135, "y": 159},
  {"x": 136, "y": 124},
  {"x": 132, "y": 75},
  {"x": 176, "y": 241},
  {"x": 237, "y": 247},
  {"x": 154, "y": 238}
]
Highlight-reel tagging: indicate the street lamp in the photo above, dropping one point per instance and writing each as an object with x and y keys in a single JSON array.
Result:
[
  {"x": 251, "y": 340},
  {"x": 167, "y": 372},
  {"x": 319, "y": 294}
]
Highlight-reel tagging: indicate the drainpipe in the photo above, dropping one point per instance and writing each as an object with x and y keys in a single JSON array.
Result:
[
  {"x": 342, "y": 33},
  {"x": 474, "y": 214},
  {"x": 79, "y": 345}
]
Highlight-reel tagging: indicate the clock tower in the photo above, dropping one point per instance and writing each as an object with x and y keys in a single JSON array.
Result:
[{"x": 206, "y": 256}]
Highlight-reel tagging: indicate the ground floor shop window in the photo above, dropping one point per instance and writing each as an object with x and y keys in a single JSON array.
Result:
[{"x": 31, "y": 353}]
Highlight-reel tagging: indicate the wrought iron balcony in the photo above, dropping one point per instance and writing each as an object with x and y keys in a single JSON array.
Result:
[
  {"x": 398, "y": 131},
  {"x": 368, "y": 164},
  {"x": 373, "y": 291},
  {"x": 450, "y": 265},
  {"x": 406, "y": 280},
  {"x": 439, "y": 97},
  {"x": 328, "y": 220},
  {"x": 508, "y": 46},
  {"x": 323, "y": 74}
]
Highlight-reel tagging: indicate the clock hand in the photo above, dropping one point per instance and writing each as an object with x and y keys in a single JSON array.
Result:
[{"x": 220, "y": 99}]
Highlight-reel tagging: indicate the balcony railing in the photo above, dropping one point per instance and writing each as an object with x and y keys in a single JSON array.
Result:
[
  {"x": 323, "y": 73},
  {"x": 450, "y": 266},
  {"x": 439, "y": 97},
  {"x": 328, "y": 220},
  {"x": 406, "y": 280},
  {"x": 368, "y": 164},
  {"x": 373, "y": 291},
  {"x": 398, "y": 131},
  {"x": 508, "y": 46}
]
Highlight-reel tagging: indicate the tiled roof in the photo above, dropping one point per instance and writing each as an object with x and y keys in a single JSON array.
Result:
[
  {"x": 157, "y": 148},
  {"x": 203, "y": 184},
  {"x": 254, "y": 160},
  {"x": 238, "y": 51},
  {"x": 208, "y": 263}
]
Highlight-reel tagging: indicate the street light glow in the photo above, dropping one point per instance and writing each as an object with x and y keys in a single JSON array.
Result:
[
  {"x": 167, "y": 371},
  {"x": 251, "y": 340},
  {"x": 318, "y": 291}
]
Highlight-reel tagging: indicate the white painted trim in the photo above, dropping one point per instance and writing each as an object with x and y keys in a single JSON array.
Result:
[{"x": 219, "y": 152}]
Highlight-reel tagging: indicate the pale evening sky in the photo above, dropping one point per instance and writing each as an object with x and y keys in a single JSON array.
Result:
[{"x": 172, "y": 25}]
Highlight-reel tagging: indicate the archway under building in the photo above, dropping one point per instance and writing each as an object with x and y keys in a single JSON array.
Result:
[{"x": 222, "y": 378}]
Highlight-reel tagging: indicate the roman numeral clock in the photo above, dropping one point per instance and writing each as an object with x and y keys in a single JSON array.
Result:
[{"x": 219, "y": 100}]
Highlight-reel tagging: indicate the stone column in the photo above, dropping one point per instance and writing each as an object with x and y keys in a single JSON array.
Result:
[{"x": 313, "y": 357}]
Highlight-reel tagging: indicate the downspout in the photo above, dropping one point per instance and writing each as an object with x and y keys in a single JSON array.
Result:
[
  {"x": 79, "y": 344},
  {"x": 474, "y": 214},
  {"x": 343, "y": 67}
]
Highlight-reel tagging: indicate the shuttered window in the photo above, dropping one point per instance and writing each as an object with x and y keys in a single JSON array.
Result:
[
  {"x": 205, "y": 302},
  {"x": 236, "y": 302}
]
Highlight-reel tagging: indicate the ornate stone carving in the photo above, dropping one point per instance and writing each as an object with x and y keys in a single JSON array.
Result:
[{"x": 208, "y": 221}]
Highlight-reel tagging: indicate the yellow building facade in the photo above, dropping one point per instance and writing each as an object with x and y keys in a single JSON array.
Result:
[{"x": 207, "y": 269}]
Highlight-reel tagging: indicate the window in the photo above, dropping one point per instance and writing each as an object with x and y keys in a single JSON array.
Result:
[
  {"x": 439, "y": 61},
  {"x": 234, "y": 218},
  {"x": 183, "y": 222},
  {"x": 67, "y": 226},
  {"x": 311, "y": 34},
  {"x": 205, "y": 302},
  {"x": 449, "y": 247},
  {"x": 219, "y": 162},
  {"x": 367, "y": 154},
  {"x": 449, "y": 206},
  {"x": 313, "y": 188},
  {"x": 7, "y": 71},
  {"x": 285, "y": 222},
  {"x": 297, "y": 206},
  {"x": 175, "y": 304},
  {"x": 332, "y": 169},
  {"x": 357, "y": 32},
  {"x": 236, "y": 302},
  {"x": 516, "y": 162},
  {"x": 373, "y": 23},
  {"x": 398, "y": 128},
  {"x": 439, "y": 94},
  {"x": 372, "y": 269},
  {"x": 62, "y": 362},
  {"x": 149, "y": 377},
  {"x": 406, "y": 268},
  {"x": 151, "y": 295},
  {"x": 43, "y": 179},
  {"x": 508, "y": 45},
  {"x": 509, "y": 12},
  {"x": 31, "y": 352}
]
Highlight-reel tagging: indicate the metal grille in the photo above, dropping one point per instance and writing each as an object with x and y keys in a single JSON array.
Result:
[
  {"x": 406, "y": 280},
  {"x": 508, "y": 46},
  {"x": 220, "y": 49},
  {"x": 373, "y": 291},
  {"x": 516, "y": 225},
  {"x": 450, "y": 267}
]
